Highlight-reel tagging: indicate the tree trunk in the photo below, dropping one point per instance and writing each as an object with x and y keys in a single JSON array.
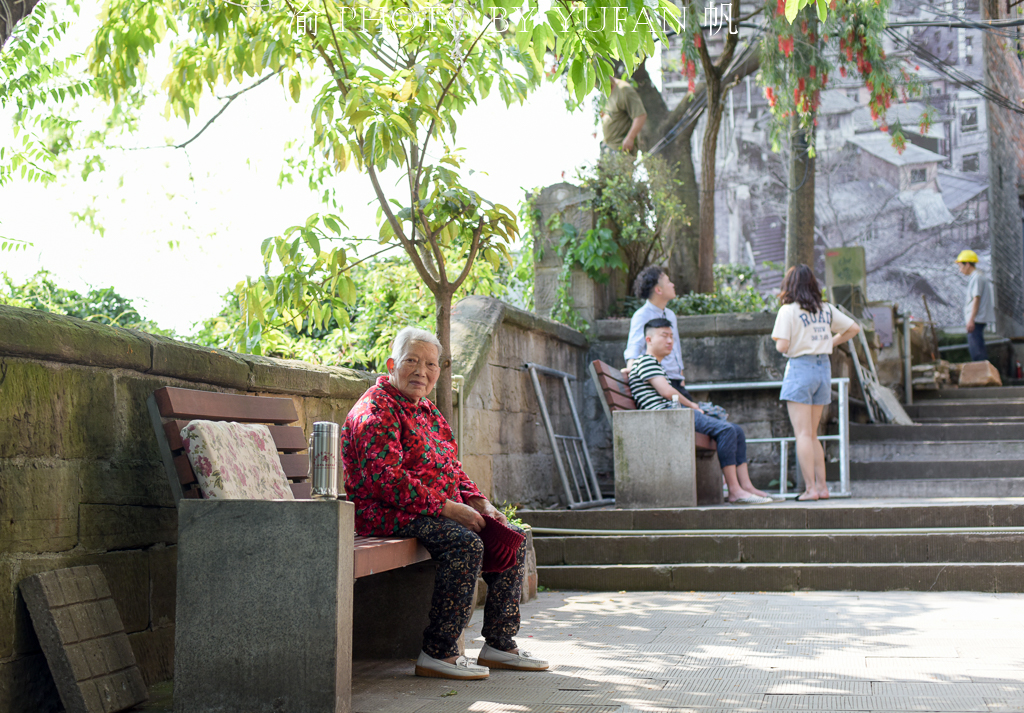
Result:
[
  {"x": 709, "y": 150},
  {"x": 800, "y": 215},
  {"x": 684, "y": 239},
  {"x": 443, "y": 310},
  {"x": 11, "y": 11}
]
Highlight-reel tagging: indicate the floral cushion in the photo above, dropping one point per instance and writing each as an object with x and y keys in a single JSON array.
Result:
[{"x": 235, "y": 461}]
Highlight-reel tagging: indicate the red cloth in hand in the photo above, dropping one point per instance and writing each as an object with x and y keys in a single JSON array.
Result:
[{"x": 501, "y": 543}]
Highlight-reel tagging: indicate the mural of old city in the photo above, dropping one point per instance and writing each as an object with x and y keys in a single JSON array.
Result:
[{"x": 911, "y": 211}]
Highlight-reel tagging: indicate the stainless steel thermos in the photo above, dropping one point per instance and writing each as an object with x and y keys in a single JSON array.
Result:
[{"x": 324, "y": 454}]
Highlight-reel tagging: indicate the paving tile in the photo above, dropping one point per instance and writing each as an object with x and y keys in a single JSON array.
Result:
[{"x": 83, "y": 638}]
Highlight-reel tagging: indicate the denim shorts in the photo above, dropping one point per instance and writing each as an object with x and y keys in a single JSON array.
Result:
[{"x": 808, "y": 380}]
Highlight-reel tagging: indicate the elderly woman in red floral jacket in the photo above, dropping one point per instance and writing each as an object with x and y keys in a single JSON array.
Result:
[{"x": 403, "y": 475}]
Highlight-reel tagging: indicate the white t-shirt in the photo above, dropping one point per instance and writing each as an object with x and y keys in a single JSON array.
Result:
[{"x": 809, "y": 333}]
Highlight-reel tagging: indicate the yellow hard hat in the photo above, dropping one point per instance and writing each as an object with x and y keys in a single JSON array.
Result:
[{"x": 967, "y": 256}]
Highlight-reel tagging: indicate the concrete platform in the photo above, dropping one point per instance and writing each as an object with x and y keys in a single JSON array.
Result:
[{"x": 707, "y": 652}]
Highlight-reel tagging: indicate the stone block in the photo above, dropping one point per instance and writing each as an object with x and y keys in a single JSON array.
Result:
[
  {"x": 478, "y": 468},
  {"x": 33, "y": 334},
  {"x": 189, "y": 362},
  {"x": 979, "y": 373},
  {"x": 154, "y": 653},
  {"x": 265, "y": 620},
  {"x": 118, "y": 527},
  {"x": 26, "y": 684},
  {"x": 474, "y": 322},
  {"x": 287, "y": 376},
  {"x": 163, "y": 575},
  {"x": 139, "y": 483},
  {"x": 84, "y": 640},
  {"x": 38, "y": 507},
  {"x": 8, "y": 600},
  {"x": 53, "y": 410},
  {"x": 655, "y": 461},
  {"x": 349, "y": 384},
  {"x": 135, "y": 440},
  {"x": 390, "y": 611}
]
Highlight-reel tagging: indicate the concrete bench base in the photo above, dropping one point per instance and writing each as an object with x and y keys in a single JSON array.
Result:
[
  {"x": 655, "y": 462},
  {"x": 264, "y": 607}
]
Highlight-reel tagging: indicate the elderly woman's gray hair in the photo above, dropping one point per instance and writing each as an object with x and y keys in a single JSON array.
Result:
[{"x": 409, "y": 335}]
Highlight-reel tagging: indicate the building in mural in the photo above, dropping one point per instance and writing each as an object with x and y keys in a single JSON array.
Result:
[{"x": 957, "y": 185}]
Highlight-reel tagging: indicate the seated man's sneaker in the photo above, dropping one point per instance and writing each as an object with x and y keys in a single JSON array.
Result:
[
  {"x": 521, "y": 661},
  {"x": 461, "y": 670}
]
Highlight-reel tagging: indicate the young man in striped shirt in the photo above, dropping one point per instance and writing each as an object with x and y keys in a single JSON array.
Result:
[{"x": 652, "y": 391}]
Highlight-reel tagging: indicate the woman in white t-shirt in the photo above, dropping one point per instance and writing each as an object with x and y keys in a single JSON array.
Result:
[{"x": 806, "y": 330}]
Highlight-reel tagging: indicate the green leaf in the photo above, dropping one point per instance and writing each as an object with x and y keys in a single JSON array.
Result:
[
  {"x": 792, "y": 8},
  {"x": 822, "y": 10}
]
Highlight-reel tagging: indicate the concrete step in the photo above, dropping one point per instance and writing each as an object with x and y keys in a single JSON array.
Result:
[
  {"x": 832, "y": 514},
  {"x": 949, "y": 410},
  {"x": 787, "y": 577},
  {"x": 968, "y": 420},
  {"x": 984, "y": 392},
  {"x": 938, "y": 431},
  {"x": 779, "y": 548},
  {"x": 929, "y": 469},
  {"x": 939, "y": 488},
  {"x": 959, "y": 450}
]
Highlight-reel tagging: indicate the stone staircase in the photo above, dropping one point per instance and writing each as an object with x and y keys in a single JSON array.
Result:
[
  {"x": 854, "y": 544},
  {"x": 965, "y": 443}
]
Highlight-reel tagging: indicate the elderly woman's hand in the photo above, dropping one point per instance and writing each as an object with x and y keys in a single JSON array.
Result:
[
  {"x": 465, "y": 515},
  {"x": 484, "y": 507}
]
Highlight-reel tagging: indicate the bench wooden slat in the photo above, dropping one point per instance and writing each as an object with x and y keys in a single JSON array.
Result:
[
  {"x": 302, "y": 491},
  {"x": 189, "y": 404},
  {"x": 288, "y": 439},
  {"x": 618, "y": 402},
  {"x": 296, "y": 466},
  {"x": 380, "y": 554},
  {"x": 185, "y": 474}
]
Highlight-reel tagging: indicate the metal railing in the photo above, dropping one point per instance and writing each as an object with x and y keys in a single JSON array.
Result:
[{"x": 843, "y": 437}]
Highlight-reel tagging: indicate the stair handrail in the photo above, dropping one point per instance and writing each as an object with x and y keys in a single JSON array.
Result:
[{"x": 843, "y": 437}]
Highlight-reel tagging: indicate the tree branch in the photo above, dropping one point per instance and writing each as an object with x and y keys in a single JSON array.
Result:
[
  {"x": 472, "y": 255},
  {"x": 230, "y": 98}
]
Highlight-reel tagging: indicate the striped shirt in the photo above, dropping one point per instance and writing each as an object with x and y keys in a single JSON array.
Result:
[{"x": 646, "y": 396}]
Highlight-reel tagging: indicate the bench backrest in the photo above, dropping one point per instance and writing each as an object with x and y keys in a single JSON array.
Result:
[
  {"x": 171, "y": 409},
  {"x": 612, "y": 386}
]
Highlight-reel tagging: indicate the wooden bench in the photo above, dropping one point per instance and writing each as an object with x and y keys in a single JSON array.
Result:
[
  {"x": 170, "y": 410},
  {"x": 614, "y": 387}
]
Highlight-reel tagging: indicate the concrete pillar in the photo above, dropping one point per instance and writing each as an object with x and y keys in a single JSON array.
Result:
[
  {"x": 264, "y": 607},
  {"x": 655, "y": 459}
]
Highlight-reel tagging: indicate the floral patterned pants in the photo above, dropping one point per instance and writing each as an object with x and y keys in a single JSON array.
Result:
[{"x": 459, "y": 553}]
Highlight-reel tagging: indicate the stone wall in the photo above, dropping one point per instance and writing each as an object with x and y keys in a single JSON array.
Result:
[
  {"x": 506, "y": 450},
  {"x": 1004, "y": 72},
  {"x": 716, "y": 348},
  {"x": 81, "y": 480}
]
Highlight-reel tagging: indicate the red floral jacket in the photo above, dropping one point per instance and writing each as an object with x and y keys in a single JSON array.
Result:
[{"x": 400, "y": 460}]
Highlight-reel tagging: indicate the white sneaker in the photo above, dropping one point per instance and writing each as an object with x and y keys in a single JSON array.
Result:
[
  {"x": 461, "y": 670},
  {"x": 521, "y": 661}
]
